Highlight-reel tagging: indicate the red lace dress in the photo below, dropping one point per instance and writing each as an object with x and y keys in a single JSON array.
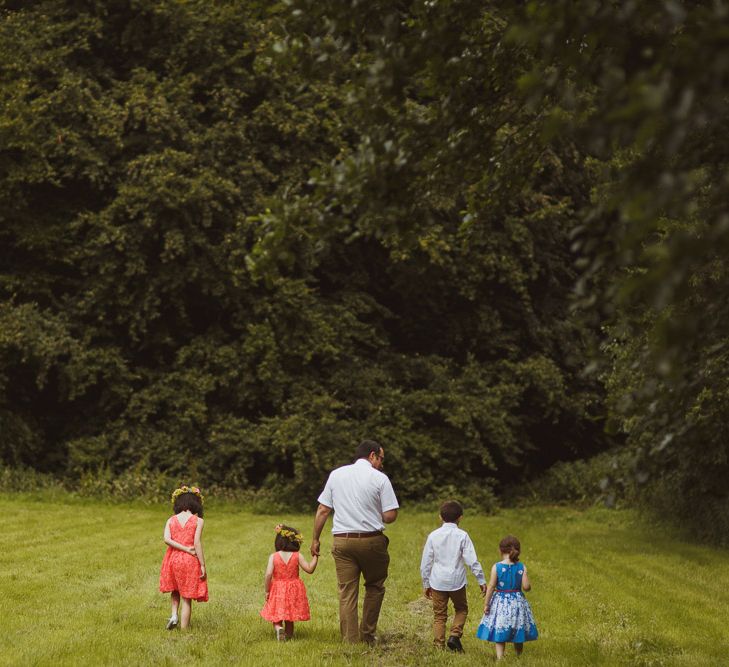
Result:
[
  {"x": 181, "y": 570},
  {"x": 287, "y": 599}
]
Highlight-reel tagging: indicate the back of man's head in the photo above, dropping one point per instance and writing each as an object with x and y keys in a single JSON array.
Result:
[{"x": 365, "y": 448}]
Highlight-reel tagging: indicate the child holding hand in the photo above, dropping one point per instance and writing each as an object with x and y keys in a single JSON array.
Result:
[
  {"x": 286, "y": 600},
  {"x": 507, "y": 615},
  {"x": 442, "y": 568}
]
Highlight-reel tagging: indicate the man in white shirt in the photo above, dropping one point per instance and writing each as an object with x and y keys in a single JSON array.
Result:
[
  {"x": 447, "y": 550},
  {"x": 363, "y": 501}
]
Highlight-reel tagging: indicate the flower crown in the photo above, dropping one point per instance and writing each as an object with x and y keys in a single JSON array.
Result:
[
  {"x": 187, "y": 489},
  {"x": 289, "y": 534}
]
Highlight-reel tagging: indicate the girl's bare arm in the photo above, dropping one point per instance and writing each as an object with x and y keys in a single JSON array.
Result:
[
  {"x": 269, "y": 575},
  {"x": 493, "y": 580},
  {"x": 308, "y": 567},
  {"x": 526, "y": 585},
  {"x": 198, "y": 550},
  {"x": 175, "y": 545}
]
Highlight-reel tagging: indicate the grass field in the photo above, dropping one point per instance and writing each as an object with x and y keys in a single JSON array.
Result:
[{"x": 78, "y": 586}]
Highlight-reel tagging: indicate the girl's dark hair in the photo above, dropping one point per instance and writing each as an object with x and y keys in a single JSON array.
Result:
[
  {"x": 188, "y": 501},
  {"x": 510, "y": 545},
  {"x": 283, "y": 543}
]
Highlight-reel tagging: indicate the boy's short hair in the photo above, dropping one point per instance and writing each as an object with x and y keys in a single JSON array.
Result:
[{"x": 450, "y": 511}]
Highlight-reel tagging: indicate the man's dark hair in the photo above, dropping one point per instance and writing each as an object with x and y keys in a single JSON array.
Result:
[
  {"x": 451, "y": 511},
  {"x": 365, "y": 448}
]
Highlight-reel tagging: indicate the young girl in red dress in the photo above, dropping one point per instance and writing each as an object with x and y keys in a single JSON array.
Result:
[
  {"x": 286, "y": 600},
  {"x": 183, "y": 567}
]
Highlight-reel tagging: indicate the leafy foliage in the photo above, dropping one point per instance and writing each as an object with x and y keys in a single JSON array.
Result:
[
  {"x": 229, "y": 254},
  {"x": 642, "y": 87}
]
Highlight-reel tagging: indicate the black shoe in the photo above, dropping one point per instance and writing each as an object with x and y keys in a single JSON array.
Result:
[{"x": 454, "y": 644}]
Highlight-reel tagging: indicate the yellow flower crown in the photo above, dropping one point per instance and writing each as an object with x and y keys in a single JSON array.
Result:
[
  {"x": 187, "y": 489},
  {"x": 290, "y": 534}
]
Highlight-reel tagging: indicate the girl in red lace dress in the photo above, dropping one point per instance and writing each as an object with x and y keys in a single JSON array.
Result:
[
  {"x": 286, "y": 600},
  {"x": 183, "y": 567}
]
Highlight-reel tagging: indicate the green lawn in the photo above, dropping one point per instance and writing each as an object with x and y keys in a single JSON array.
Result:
[{"x": 78, "y": 586}]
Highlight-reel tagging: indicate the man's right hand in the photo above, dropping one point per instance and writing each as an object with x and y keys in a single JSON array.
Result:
[
  {"x": 428, "y": 592},
  {"x": 315, "y": 547},
  {"x": 322, "y": 513}
]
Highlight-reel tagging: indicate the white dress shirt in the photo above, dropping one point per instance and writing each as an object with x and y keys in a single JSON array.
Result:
[
  {"x": 447, "y": 550},
  {"x": 358, "y": 494}
]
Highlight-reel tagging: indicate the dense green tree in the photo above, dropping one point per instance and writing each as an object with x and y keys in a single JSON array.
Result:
[
  {"x": 137, "y": 138},
  {"x": 607, "y": 117},
  {"x": 642, "y": 87},
  {"x": 236, "y": 238},
  {"x": 453, "y": 185}
]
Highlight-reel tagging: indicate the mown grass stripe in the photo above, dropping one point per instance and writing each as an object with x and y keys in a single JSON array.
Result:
[{"x": 608, "y": 590}]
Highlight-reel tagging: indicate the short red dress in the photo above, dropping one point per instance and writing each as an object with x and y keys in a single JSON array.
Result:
[
  {"x": 287, "y": 599},
  {"x": 181, "y": 570}
]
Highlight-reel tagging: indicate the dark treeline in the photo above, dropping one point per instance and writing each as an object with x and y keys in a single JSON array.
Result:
[{"x": 235, "y": 238}]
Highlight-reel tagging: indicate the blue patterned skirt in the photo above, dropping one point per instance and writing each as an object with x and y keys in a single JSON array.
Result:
[{"x": 509, "y": 619}]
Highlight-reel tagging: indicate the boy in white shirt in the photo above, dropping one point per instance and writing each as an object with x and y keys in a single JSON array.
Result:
[{"x": 447, "y": 551}]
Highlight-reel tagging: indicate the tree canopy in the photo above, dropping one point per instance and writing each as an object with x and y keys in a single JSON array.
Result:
[{"x": 238, "y": 237}]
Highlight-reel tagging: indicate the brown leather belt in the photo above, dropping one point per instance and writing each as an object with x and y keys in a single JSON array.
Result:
[{"x": 372, "y": 534}]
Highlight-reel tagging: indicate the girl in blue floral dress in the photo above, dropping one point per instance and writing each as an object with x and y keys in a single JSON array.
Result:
[{"x": 507, "y": 615}]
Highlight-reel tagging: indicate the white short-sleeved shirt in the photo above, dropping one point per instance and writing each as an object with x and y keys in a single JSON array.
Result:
[
  {"x": 448, "y": 551},
  {"x": 358, "y": 494}
]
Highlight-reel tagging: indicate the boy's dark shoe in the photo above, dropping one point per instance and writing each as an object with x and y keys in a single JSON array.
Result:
[{"x": 454, "y": 644}]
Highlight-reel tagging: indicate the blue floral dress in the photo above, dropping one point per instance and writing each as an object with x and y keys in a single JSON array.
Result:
[{"x": 510, "y": 617}]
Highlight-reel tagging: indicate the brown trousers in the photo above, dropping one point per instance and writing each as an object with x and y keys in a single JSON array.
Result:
[
  {"x": 440, "y": 613},
  {"x": 355, "y": 556}
]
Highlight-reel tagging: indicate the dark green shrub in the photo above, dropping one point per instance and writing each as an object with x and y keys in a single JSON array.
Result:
[
  {"x": 608, "y": 478},
  {"x": 24, "y": 480}
]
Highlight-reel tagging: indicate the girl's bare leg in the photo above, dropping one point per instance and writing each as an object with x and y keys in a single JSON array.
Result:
[
  {"x": 289, "y": 629},
  {"x": 175, "y": 600},
  {"x": 500, "y": 646},
  {"x": 518, "y": 648},
  {"x": 186, "y": 613}
]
